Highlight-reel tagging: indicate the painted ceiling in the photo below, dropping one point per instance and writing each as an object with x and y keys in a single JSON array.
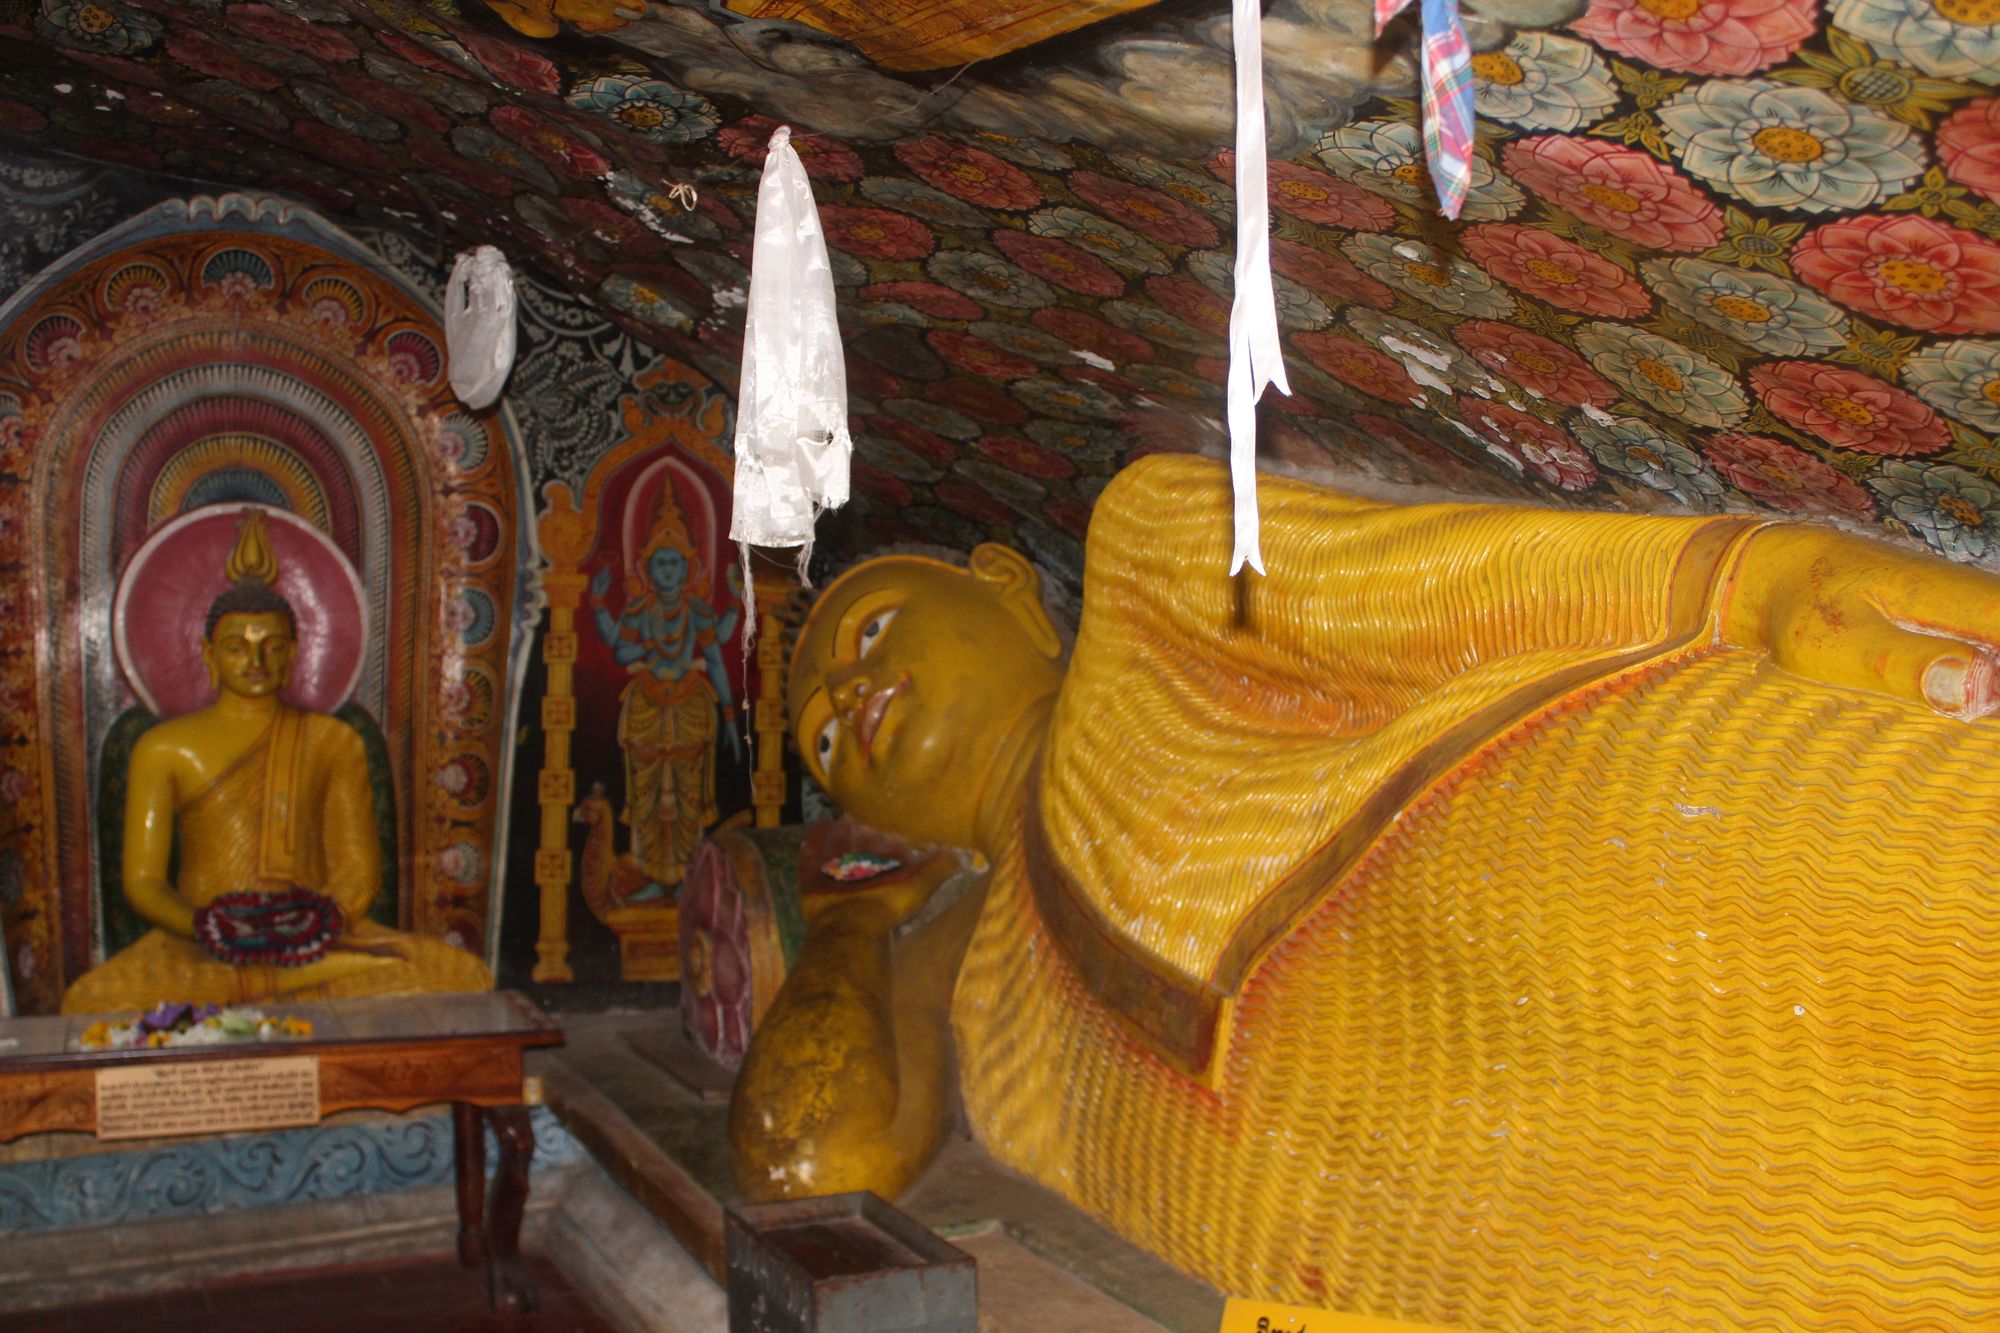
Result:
[{"x": 1717, "y": 253}]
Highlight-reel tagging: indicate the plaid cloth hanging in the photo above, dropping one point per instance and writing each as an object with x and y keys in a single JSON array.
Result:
[{"x": 1448, "y": 114}]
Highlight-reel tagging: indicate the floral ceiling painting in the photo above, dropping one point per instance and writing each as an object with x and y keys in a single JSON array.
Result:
[{"x": 1738, "y": 254}]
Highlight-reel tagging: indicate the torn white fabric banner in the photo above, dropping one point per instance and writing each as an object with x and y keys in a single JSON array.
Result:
[
  {"x": 479, "y": 325},
  {"x": 1254, "y": 357},
  {"x": 791, "y": 406}
]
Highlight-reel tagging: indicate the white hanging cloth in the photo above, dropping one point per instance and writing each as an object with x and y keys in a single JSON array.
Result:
[
  {"x": 479, "y": 325},
  {"x": 792, "y": 446},
  {"x": 1254, "y": 356}
]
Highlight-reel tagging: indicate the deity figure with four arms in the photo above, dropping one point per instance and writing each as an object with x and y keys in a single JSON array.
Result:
[
  {"x": 271, "y": 814},
  {"x": 1493, "y": 916},
  {"x": 670, "y": 641}
]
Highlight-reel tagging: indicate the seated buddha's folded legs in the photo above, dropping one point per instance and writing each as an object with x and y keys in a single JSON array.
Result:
[{"x": 369, "y": 960}]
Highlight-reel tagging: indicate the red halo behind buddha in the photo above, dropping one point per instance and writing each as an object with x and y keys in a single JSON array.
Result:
[{"x": 161, "y": 607}]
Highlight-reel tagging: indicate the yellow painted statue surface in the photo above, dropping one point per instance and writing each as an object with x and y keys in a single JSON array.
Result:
[
  {"x": 1492, "y": 917},
  {"x": 936, "y": 34},
  {"x": 261, "y": 799}
]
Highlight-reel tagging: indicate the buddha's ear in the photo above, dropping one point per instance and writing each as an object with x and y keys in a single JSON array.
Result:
[
  {"x": 1020, "y": 589},
  {"x": 208, "y": 660}
]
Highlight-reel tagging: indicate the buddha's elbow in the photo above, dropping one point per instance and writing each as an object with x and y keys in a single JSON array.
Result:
[
  {"x": 154, "y": 900},
  {"x": 774, "y": 1158},
  {"x": 809, "y": 1118}
]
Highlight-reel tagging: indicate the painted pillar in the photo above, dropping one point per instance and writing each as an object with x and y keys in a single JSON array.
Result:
[
  {"x": 767, "y": 782},
  {"x": 564, "y": 537}
]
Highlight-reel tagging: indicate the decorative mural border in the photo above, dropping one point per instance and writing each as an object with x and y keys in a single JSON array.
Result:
[{"x": 203, "y": 1176}]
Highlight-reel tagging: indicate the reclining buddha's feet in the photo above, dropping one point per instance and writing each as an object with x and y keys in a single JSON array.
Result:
[{"x": 1871, "y": 617}]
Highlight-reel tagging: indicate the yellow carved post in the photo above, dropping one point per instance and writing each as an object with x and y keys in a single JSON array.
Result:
[
  {"x": 564, "y": 538},
  {"x": 767, "y": 783}
]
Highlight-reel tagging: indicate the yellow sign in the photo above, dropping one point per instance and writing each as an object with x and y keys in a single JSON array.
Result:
[
  {"x": 1266, "y": 1317},
  {"x": 207, "y": 1096}
]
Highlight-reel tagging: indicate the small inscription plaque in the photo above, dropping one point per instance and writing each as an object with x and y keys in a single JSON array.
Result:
[{"x": 207, "y": 1097}]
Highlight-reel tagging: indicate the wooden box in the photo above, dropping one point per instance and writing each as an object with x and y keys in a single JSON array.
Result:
[{"x": 845, "y": 1263}]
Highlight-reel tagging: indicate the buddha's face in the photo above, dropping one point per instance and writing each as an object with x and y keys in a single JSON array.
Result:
[
  {"x": 909, "y": 678},
  {"x": 250, "y": 653},
  {"x": 667, "y": 568}
]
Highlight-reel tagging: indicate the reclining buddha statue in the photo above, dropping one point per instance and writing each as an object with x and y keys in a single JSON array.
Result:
[
  {"x": 1493, "y": 917},
  {"x": 271, "y": 812}
]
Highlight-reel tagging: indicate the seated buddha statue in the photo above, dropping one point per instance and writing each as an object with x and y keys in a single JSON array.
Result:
[
  {"x": 273, "y": 818},
  {"x": 1493, "y": 917}
]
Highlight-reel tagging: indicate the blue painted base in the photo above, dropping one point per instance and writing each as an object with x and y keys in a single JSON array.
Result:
[{"x": 246, "y": 1171}]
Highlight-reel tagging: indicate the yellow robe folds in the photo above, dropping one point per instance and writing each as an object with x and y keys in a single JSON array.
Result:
[
  {"x": 667, "y": 730},
  {"x": 1447, "y": 927},
  {"x": 936, "y": 34},
  {"x": 295, "y": 809}
]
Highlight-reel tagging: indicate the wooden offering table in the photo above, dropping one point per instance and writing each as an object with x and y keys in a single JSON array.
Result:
[{"x": 391, "y": 1054}]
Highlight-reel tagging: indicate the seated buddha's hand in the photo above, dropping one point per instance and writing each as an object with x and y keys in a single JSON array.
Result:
[
  {"x": 1853, "y": 612},
  {"x": 289, "y": 928}
]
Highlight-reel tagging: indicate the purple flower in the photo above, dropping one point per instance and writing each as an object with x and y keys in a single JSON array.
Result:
[
  {"x": 165, "y": 1018},
  {"x": 176, "y": 1017}
]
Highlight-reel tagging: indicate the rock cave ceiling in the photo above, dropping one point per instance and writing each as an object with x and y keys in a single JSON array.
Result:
[{"x": 1717, "y": 254}]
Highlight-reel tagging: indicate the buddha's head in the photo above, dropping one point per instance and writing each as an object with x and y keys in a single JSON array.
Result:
[
  {"x": 248, "y": 640},
  {"x": 913, "y": 679}
]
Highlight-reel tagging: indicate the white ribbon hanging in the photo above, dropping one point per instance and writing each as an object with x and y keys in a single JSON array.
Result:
[
  {"x": 479, "y": 325},
  {"x": 791, "y": 405},
  {"x": 1254, "y": 356}
]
